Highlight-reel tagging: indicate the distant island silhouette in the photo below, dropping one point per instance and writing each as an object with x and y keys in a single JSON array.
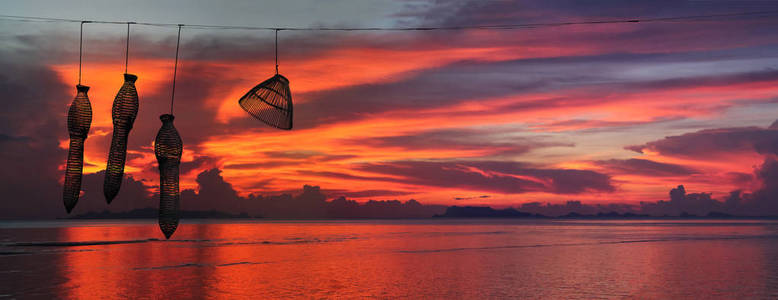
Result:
[
  {"x": 216, "y": 198},
  {"x": 151, "y": 213},
  {"x": 485, "y": 212},
  {"x": 452, "y": 212},
  {"x": 488, "y": 212},
  {"x": 314, "y": 203}
]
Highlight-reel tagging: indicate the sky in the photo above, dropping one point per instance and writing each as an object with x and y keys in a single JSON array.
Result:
[{"x": 602, "y": 114}]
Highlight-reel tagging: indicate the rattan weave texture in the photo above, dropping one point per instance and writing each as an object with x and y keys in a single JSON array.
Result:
[
  {"x": 79, "y": 122},
  {"x": 270, "y": 102},
  {"x": 124, "y": 111},
  {"x": 168, "y": 148}
]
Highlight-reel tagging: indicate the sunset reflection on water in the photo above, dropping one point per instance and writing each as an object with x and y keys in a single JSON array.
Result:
[{"x": 391, "y": 259}]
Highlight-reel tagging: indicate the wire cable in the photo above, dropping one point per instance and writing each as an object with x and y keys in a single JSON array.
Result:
[{"x": 688, "y": 18}]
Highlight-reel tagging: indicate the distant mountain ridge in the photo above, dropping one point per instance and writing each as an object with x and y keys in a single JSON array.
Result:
[
  {"x": 453, "y": 212},
  {"x": 151, "y": 213},
  {"x": 485, "y": 212},
  {"x": 488, "y": 212}
]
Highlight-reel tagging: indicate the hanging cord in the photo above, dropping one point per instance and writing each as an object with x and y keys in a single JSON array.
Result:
[
  {"x": 175, "y": 69},
  {"x": 127, "y": 54},
  {"x": 81, "y": 49},
  {"x": 277, "y": 51}
]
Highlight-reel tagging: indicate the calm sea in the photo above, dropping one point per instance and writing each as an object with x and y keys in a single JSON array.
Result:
[{"x": 419, "y": 259}]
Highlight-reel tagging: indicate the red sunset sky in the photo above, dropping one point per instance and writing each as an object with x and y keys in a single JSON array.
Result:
[{"x": 611, "y": 113}]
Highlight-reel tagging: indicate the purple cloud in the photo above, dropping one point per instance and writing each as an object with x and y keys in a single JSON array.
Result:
[
  {"x": 645, "y": 167},
  {"x": 493, "y": 176},
  {"x": 714, "y": 141}
]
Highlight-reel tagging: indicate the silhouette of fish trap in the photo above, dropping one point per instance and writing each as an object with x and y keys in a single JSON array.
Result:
[
  {"x": 124, "y": 111},
  {"x": 79, "y": 121},
  {"x": 270, "y": 102},
  {"x": 168, "y": 148}
]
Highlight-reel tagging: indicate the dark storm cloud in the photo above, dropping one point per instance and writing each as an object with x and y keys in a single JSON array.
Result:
[
  {"x": 205, "y": 45},
  {"x": 471, "y": 198},
  {"x": 463, "y": 139},
  {"x": 714, "y": 141},
  {"x": 473, "y": 12},
  {"x": 633, "y": 37},
  {"x": 34, "y": 100},
  {"x": 424, "y": 90},
  {"x": 199, "y": 162},
  {"x": 134, "y": 194},
  {"x": 709, "y": 81},
  {"x": 261, "y": 165},
  {"x": 765, "y": 199},
  {"x": 492, "y": 176},
  {"x": 214, "y": 193},
  {"x": 595, "y": 126},
  {"x": 4, "y": 138},
  {"x": 312, "y": 203},
  {"x": 595, "y": 74},
  {"x": 679, "y": 202},
  {"x": 295, "y": 155},
  {"x": 300, "y": 155},
  {"x": 645, "y": 167},
  {"x": 761, "y": 202},
  {"x": 699, "y": 204},
  {"x": 740, "y": 179},
  {"x": 202, "y": 46},
  {"x": 277, "y": 159},
  {"x": 341, "y": 175},
  {"x": 562, "y": 181},
  {"x": 364, "y": 193},
  {"x": 428, "y": 89},
  {"x": 217, "y": 194}
]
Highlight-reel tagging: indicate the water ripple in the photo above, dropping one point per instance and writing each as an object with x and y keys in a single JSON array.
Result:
[{"x": 594, "y": 243}]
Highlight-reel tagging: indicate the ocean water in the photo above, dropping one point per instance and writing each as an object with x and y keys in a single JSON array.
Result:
[{"x": 417, "y": 259}]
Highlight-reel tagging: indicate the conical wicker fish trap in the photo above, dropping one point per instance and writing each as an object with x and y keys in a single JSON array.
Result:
[
  {"x": 125, "y": 109},
  {"x": 168, "y": 148},
  {"x": 270, "y": 102},
  {"x": 79, "y": 121}
]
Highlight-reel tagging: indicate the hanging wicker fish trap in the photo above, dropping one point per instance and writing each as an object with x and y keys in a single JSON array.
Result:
[
  {"x": 79, "y": 121},
  {"x": 168, "y": 149},
  {"x": 125, "y": 109},
  {"x": 270, "y": 102}
]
